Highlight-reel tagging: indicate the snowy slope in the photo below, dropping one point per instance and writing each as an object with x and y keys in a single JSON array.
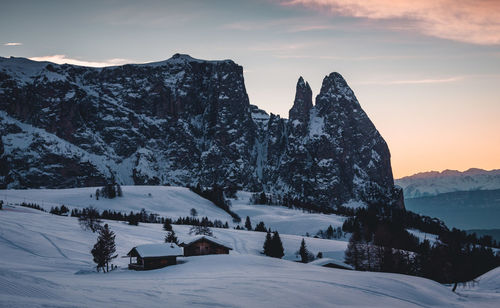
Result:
[
  {"x": 46, "y": 262},
  {"x": 434, "y": 182},
  {"x": 174, "y": 202}
]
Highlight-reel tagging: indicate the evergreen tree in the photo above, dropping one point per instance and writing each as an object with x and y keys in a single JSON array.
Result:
[
  {"x": 329, "y": 232},
  {"x": 104, "y": 250},
  {"x": 171, "y": 237},
  {"x": 353, "y": 254},
  {"x": 261, "y": 227},
  {"x": 1, "y": 204},
  {"x": 167, "y": 226},
  {"x": 267, "y": 244},
  {"x": 303, "y": 252},
  {"x": 119, "y": 192},
  {"x": 97, "y": 194},
  {"x": 248, "y": 224},
  {"x": 194, "y": 212},
  {"x": 277, "y": 250}
]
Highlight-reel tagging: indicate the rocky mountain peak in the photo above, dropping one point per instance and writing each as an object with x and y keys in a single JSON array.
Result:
[
  {"x": 184, "y": 121},
  {"x": 335, "y": 93},
  {"x": 302, "y": 103}
]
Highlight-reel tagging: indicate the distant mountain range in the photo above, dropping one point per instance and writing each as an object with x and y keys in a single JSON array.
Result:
[{"x": 433, "y": 183}]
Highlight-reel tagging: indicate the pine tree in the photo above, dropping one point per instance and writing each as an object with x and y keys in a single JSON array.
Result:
[
  {"x": 277, "y": 250},
  {"x": 261, "y": 227},
  {"x": 267, "y": 244},
  {"x": 119, "y": 192},
  {"x": 171, "y": 237},
  {"x": 353, "y": 254},
  {"x": 167, "y": 226},
  {"x": 303, "y": 252},
  {"x": 329, "y": 232},
  {"x": 248, "y": 224},
  {"x": 97, "y": 194},
  {"x": 104, "y": 249}
]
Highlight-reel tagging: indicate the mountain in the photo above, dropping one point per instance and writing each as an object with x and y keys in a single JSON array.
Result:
[
  {"x": 185, "y": 121},
  {"x": 434, "y": 182},
  {"x": 476, "y": 209}
]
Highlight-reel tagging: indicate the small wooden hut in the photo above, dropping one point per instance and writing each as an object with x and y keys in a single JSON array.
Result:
[
  {"x": 204, "y": 245},
  {"x": 152, "y": 256}
]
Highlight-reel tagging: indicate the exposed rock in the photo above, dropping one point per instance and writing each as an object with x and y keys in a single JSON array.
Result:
[{"x": 180, "y": 122}]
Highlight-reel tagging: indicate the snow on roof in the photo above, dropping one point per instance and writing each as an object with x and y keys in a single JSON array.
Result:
[
  {"x": 159, "y": 250},
  {"x": 325, "y": 261},
  {"x": 206, "y": 237}
]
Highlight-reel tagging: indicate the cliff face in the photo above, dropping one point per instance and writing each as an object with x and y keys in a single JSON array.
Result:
[{"x": 180, "y": 122}]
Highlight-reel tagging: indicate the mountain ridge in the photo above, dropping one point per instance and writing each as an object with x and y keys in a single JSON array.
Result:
[{"x": 185, "y": 121}]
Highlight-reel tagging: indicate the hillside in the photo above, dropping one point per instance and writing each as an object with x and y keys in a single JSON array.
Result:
[
  {"x": 175, "y": 202},
  {"x": 46, "y": 262},
  {"x": 478, "y": 209}
]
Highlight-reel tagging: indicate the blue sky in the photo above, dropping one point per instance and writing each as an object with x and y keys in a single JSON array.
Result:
[{"x": 427, "y": 74}]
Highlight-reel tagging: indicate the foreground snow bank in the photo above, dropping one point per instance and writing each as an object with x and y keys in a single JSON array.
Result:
[{"x": 46, "y": 262}]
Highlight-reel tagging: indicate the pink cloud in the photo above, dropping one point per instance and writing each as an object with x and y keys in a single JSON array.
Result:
[
  {"x": 470, "y": 21},
  {"x": 63, "y": 59}
]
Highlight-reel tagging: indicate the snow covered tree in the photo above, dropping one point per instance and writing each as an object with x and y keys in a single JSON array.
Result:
[
  {"x": 248, "y": 224},
  {"x": 90, "y": 219},
  {"x": 104, "y": 250},
  {"x": 171, "y": 237}
]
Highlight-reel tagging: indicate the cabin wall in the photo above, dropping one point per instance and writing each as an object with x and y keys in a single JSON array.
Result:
[{"x": 204, "y": 248}]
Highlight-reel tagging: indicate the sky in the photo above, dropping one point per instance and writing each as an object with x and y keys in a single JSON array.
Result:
[{"x": 426, "y": 72}]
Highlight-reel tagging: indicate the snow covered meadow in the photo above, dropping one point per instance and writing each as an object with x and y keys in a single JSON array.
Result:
[{"x": 46, "y": 262}]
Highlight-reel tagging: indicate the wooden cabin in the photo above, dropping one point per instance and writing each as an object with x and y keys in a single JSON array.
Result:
[
  {"x": 152, "y": 256},
  {"x": 204, "y": 245}
]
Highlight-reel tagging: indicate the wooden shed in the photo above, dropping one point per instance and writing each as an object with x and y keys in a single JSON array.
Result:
[
  {"x": 204, "y": 245},
  {"x": 152, "y": 256}
]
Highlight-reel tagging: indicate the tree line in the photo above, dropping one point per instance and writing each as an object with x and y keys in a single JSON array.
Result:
[{"x": 380, "y": 242}]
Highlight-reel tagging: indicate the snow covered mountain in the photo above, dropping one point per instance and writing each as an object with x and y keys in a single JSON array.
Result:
[
  {"x": 184, "y": 121},
  {"x": 434, "y": 182}
]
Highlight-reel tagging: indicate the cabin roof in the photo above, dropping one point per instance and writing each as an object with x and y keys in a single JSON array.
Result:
[
  {"x": 158, "y": 250},
  {"x": 325, "y": 261},
  {"x": 197, "y": 238}
]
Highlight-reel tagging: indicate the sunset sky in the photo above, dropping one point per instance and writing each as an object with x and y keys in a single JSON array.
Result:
[{"x": 427, "y": 72}]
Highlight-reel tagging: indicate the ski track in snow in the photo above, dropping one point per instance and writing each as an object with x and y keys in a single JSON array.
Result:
[{"x": 55, "y": 246}]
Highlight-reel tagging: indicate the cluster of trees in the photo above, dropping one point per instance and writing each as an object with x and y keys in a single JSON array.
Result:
[
  {"x": 109, "y": 191},
  {"x": 380, "y": 242},
  {"x": 32, "y": 206},
  {"x": 260, "y": 227},
  {"x": 204, "y": 221},
  {"x": 330, "y": 233},
  {"x": 217, "y": 196},
  {"x": 63, "y": 210},
  {"x": 273, "y": 247},
  {"x": 104, "y": 250}
]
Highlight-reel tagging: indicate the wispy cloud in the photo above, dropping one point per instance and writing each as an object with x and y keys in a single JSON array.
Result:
[
  {"x": 470, "y": 21},
  {"x": 63, "y": 59},
  {"x": 414, "y": 81},
  {"x": 12, "y": 44}
]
